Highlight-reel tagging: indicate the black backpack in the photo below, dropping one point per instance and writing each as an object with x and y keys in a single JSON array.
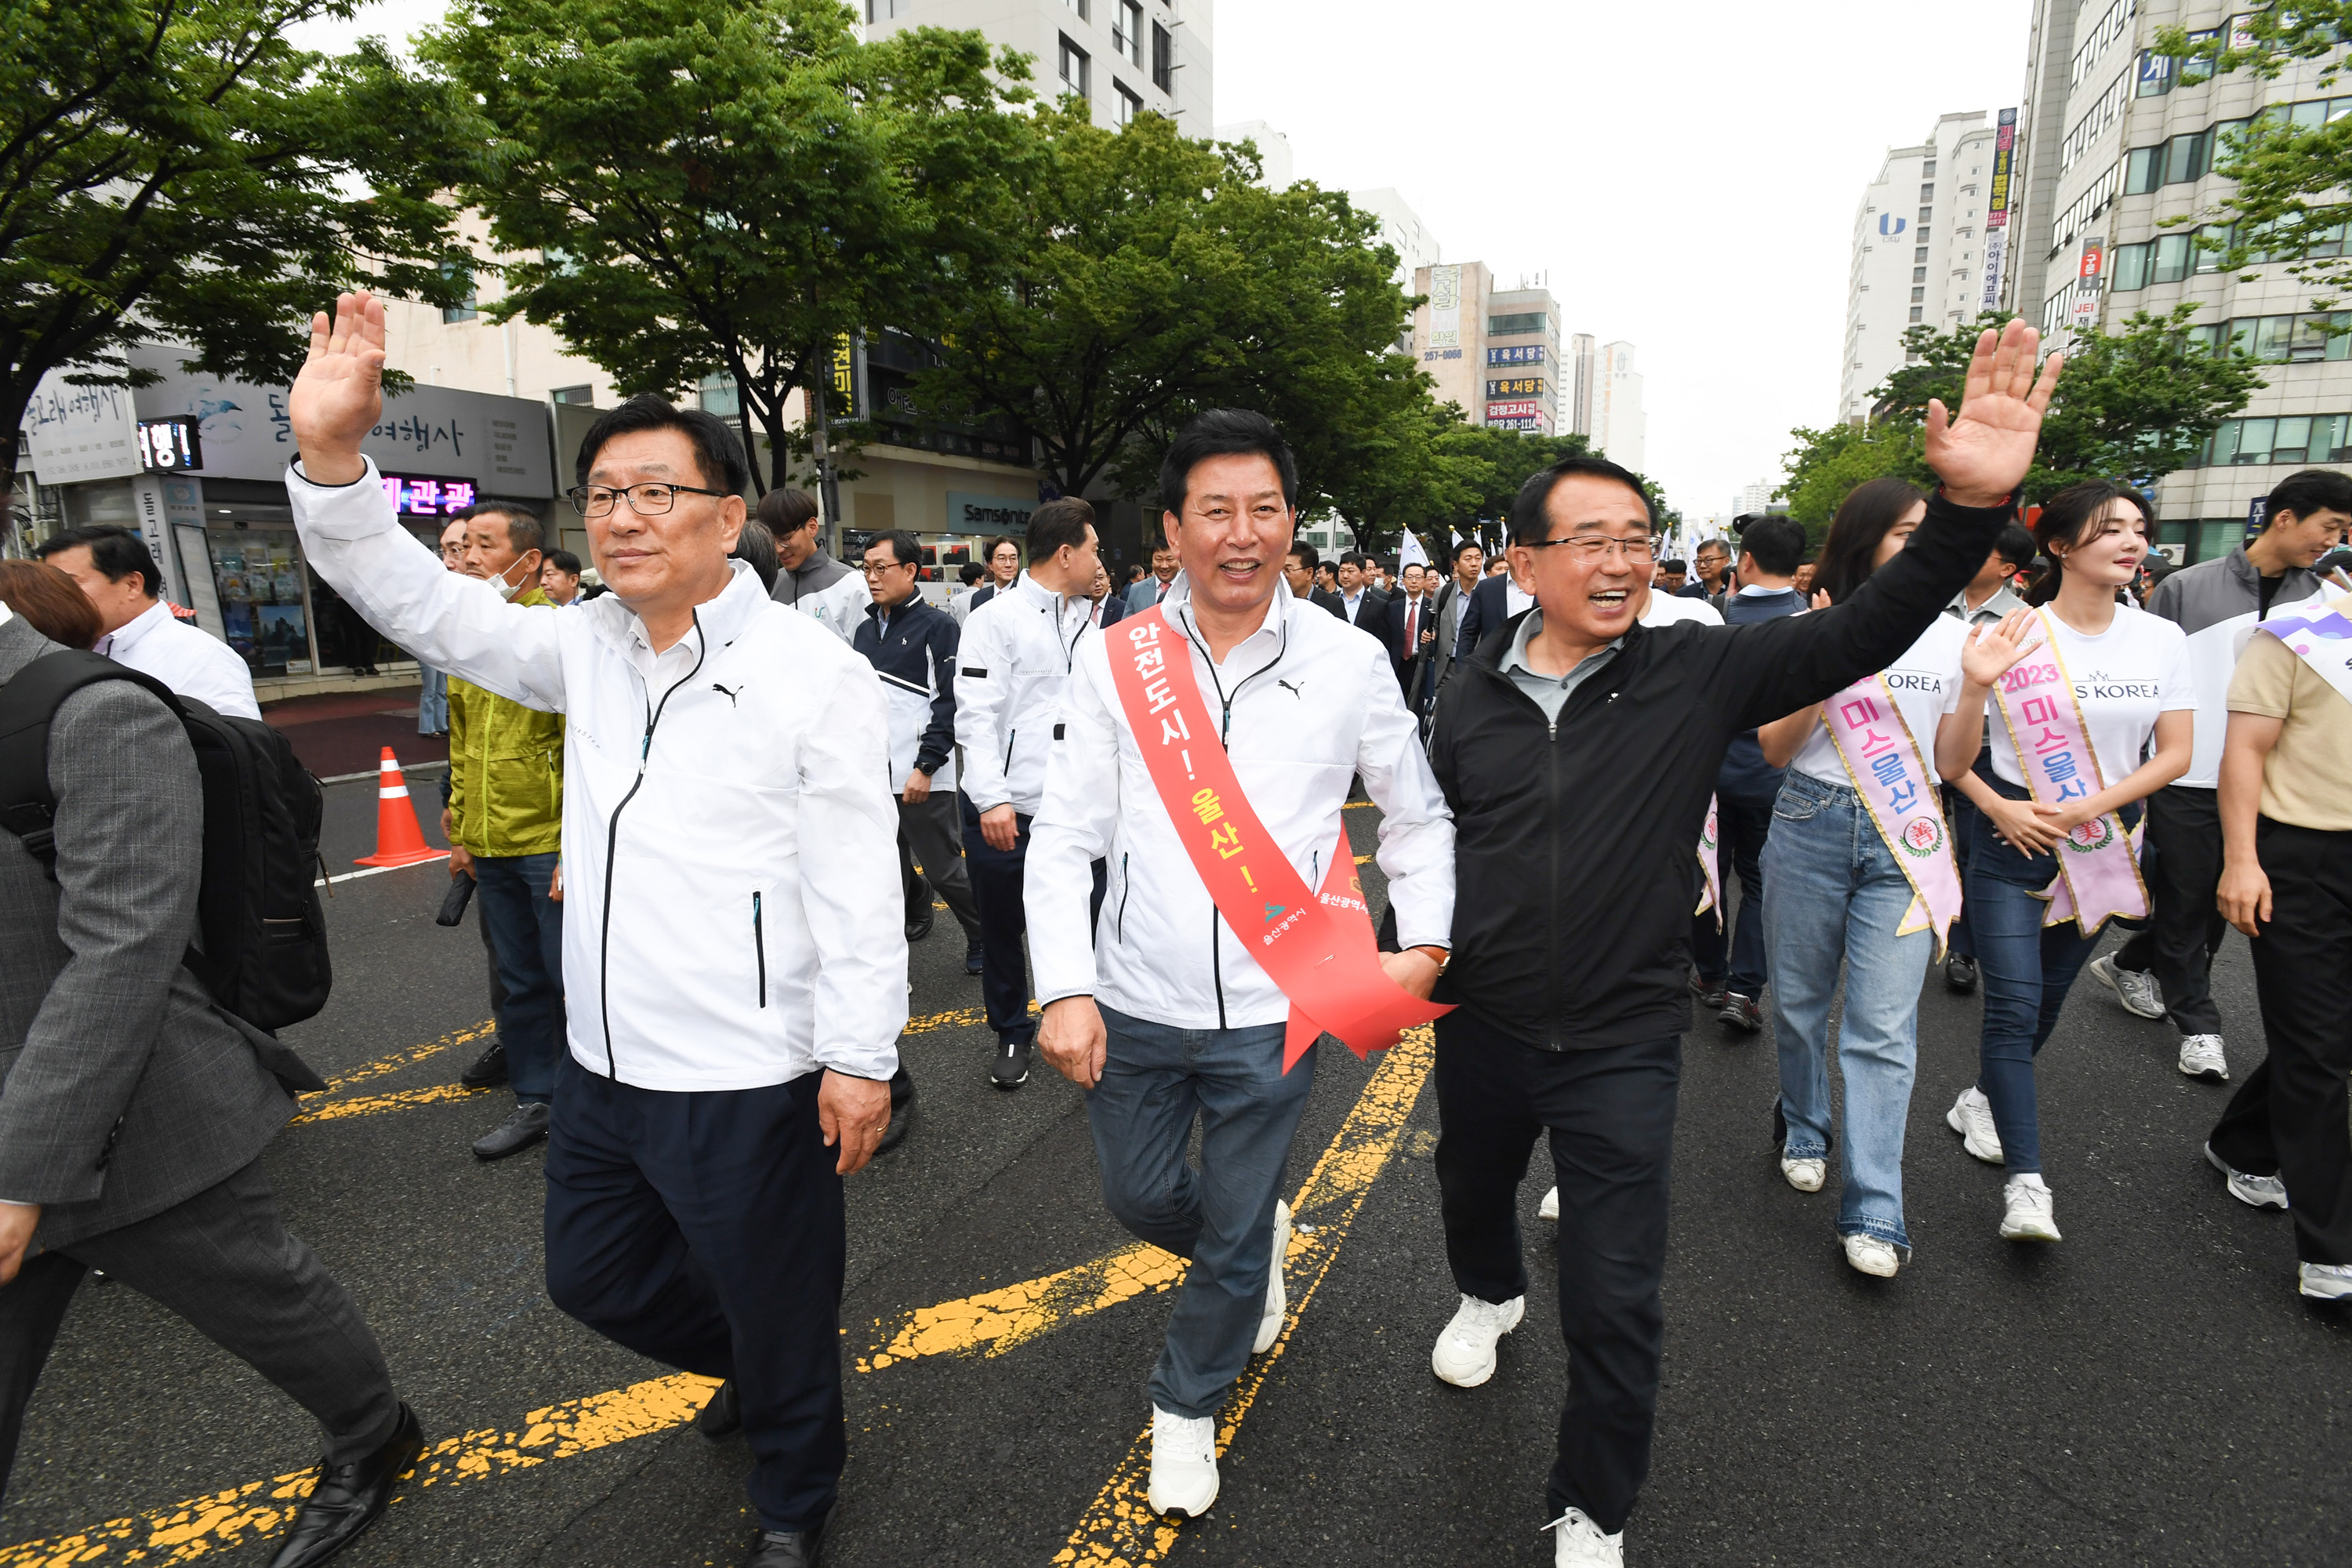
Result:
[{"x": 265, "y": 936}]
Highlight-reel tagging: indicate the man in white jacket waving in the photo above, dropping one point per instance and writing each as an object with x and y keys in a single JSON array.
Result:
[
  {"x": 734, "y": 956},
  {"x": 1162, "y": 1010}
]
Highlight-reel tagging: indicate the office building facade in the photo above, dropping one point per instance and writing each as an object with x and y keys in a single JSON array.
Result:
[{"x": 1125, "y": 57}]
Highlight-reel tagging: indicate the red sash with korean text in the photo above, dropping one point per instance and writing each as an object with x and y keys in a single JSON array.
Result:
[{"x": 1317, "y": 946}]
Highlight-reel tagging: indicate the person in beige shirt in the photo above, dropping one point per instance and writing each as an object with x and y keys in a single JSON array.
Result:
[{"x": 2287, "y": 882}]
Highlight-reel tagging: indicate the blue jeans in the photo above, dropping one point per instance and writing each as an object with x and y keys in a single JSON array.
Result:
[
  {"x": 2028, "y": 968},
  {"x": 432, "y": 701},
  {"x": 526, "y": 932},
  {"x": 1156, "y": 1079},
  {"x": 1838, "y": 896}
]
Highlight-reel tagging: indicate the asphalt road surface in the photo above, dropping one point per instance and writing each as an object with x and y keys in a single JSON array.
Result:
[{"x": 2152, "y": 1390}]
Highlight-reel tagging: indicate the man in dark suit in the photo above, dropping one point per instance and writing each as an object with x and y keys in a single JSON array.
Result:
[
  {"x": 1490, "y": 606},
  {"x": 1299, "y": 568},
  {"x": 133, "y": 1112},
  {"x": 1450, "y": 603},
  {"x": 1109, "y": 608},
  {"x": 1409, "y": 629},
  {"x": 1359, "y": 602}
]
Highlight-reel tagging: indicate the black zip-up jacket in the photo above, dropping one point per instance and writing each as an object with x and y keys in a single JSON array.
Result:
[
  {"x": 1576, "y": 843},
  {"x": 920, "y": 635}
]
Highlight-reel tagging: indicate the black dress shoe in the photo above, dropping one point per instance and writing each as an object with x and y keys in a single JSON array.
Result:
[
  {"x": 490, "y": 1068},
  {"x": 971, "y": 957},
  {"x": 919, "y": 927},
  {"x": 1959, "y": 973},
  {"x": 524, "y": 1126},
  {"x": 902, "y": 1112},
  {"x": 349, "y": 1497},
  {"x": 784, "y": 1549},
  {"x": 722, "y": 1415}
]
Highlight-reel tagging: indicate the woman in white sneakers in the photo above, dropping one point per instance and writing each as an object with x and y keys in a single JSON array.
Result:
[
  {"x": 2061, "y": 785},
  {"x": 1862, "y": 874}
]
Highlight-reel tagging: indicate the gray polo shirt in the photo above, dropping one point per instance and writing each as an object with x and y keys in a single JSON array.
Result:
[{"x": 1550, "y": 691}]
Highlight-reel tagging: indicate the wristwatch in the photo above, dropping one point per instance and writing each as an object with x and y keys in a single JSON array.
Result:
[{"x": 1439, "y": 955}]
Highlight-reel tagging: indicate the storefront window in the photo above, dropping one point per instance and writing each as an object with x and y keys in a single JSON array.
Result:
[{"x": 257, "y": 574}]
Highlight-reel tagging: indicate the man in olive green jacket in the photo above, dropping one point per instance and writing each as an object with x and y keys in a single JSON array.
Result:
[{"x": 505, "y": 823}]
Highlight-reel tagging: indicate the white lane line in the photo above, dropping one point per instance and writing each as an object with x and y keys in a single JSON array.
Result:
[
  {"x": 378, "y": 870},
  {"x": 373, "y": 773}
]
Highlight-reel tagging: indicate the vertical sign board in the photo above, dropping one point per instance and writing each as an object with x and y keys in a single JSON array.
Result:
[
  {"x": 2258, "y": 512},
  {"x": 2087, "y": 280},
  {"x": 2004, "y": 154},
  {"x": 154, "y": 527},
  {"x": 1445, "y": 307}
]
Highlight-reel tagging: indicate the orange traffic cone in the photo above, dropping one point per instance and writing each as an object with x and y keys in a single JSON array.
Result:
[{"x": 398, "y": 839}]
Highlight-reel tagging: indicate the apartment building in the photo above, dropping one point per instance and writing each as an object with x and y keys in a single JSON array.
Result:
[{"x": 1123, "y": 56}]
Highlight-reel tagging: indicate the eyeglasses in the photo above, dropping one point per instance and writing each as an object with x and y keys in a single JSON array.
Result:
[
  {"x": 1593, "y": 546},
  {"x": 645, "y": 500},
  {"x": 875, "y": 568}
]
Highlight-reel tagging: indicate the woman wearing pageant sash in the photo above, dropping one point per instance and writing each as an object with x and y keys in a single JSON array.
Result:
[
  {"x": 1860, "y": 871},
  {"x": 2060, "y": 785}
]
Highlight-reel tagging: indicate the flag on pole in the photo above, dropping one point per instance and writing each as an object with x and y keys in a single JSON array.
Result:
[{"x": 1411, "y": 553}]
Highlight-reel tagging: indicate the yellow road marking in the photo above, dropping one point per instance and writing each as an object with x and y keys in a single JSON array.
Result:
[
  {"x": 224, "y": 1521},
  {"x": 373, "y": 1104},
  {"x": 1119, "y": 1529},
  {"x": 409, "y": 1058},
  {"x": 994, "y": 1321}
]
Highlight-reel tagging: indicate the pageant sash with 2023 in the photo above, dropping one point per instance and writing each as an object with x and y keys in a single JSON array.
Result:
[
  {"x": 1710, "y": 888},
  {"x": 2321, "y": 637},
  {"x": 1318, "y": 946},
  {"x": 1890, "y": 772},
  {"x": 2098, "y": 864}
]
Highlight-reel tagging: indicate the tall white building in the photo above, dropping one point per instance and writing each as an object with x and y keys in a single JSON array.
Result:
[
  {"x": 2117, "y": 143},
  {"x": 1920, "y": 238},
  {"x": 1401, "y": 229},
  {"x": 1618, "y": 427},
  {"x": 1123, "y": 56},
  {"x": 1277, "y": 167}
]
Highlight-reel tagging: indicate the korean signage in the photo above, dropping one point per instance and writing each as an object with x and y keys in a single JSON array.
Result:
[
  {"x": 2004, "y": 154},
  {"x": 1534, "y": 422},
  {"x": 1445, "y": 307},
  {"x": 1517, "y": 386},
  {"x": 78, "y": 433},
  {"x": 166, "y": 445},
  {"x": 1530, "y": 353},
  {"x": 412, "y": 495},
  {"x": 2086, "y": 282}
]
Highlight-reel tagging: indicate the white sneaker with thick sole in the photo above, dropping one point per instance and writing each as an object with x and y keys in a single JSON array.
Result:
[
  {"x": 2138, "y": 993},
  {"x": 1872, "y": 1255},
  {"x": 2201, "y": 1056},
  {"x": 1549, "y": 1207},
  {"x": 1184, "y": 1464},
  {"x": 1277, "y": 1299},
  {"x": 1464, "y": 1352},
  {"x": 2254, "y": 1192},
  {"x": 1577, "y": 1543},
  {"x": 2028, "y": 1211},
  {"x": 1971, "y": 1118},
  {"x": 1805, "y": 1174},
  {"x": 2325, "y": 1282}
]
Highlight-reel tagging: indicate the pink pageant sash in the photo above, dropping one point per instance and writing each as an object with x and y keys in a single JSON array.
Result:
[
  {"x": 1889, "y": 772},
  {"x": 1710, "y": 895},
  {"x": 2098, "y": 864},
  {"x": 2321, "y": 637}
]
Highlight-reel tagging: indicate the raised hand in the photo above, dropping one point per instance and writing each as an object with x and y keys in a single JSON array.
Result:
[
  {"x": 1982, "y": 453},
  {"x": 1990, "y": 651},
  {"x": 339, "y": 397}
]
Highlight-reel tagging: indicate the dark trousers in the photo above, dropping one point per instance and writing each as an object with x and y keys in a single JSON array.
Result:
[
  {"x": 931, "y": 835},
  {"x": 223, "y": 1261},
  {"x": 1742, "y": 825},
  {"x": 1610, "y": 1115},
  {"x": 2289, "y": 1117},
  {"x": 1967, "y": 822},
  {"x": 705, "y": 1229},
  {"x": 996, "y": 884},
  {"x": 2183, "y": 869},
  {"x": 525, "y": 930}
]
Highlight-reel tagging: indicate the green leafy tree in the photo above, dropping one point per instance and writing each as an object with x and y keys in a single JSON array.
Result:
[
  {"x": 2287, "y": 205},
  {"x": 1827, "y": 464},
  {"x": 733, "y": 189},
  {"x": 174, "y": 170}
]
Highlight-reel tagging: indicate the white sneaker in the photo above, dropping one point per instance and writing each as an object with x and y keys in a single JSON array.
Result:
[
  {"x": 1805, "y": 1174},
  {"x": 1184, "y": 1464},
  {"x": 1577, "y": 1543},
  {"x": 1549, "y": 1207},
  {"x": 1871, "y": 1255},
  {"x": 1277, "y": 1298},
  {"x": 1464, "y": 1353},
  {"x": 2138, "y": 993},
  {"x": 2201, "y": 1056},
  {"x": 1971, "y": 1118},
  {"x": 2028, "y": 1211},
  {"x": 2254, "y": 1192},
  {"x": 2325, "y": 1282}
]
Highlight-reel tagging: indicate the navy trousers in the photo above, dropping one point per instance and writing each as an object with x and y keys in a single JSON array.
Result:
[
  {"x": 705, "y": 1229},
  {"x": 996, "y": 885},
  {"x": 1742, "y": 823}
]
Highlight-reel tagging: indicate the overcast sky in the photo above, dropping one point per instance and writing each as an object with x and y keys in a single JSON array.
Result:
[{"x": 1685, "y": 175}]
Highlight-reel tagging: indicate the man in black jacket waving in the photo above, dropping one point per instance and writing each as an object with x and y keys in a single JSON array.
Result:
[{"x": 1576, "y": 749}]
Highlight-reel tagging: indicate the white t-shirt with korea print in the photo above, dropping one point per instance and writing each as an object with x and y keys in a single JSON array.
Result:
[
  {"x": 1925, "y": 685},
  {"x": 2124, "y": 677}
]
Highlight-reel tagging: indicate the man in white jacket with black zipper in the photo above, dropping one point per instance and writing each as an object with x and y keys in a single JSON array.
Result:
[
  {"x": 1158, "y": 1009},
  {"x": 734, "y": 957},
  {"x": 1010, "y": 670}
]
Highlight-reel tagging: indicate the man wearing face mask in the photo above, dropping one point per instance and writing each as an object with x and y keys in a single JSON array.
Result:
[{"x": 505, "y": 823}]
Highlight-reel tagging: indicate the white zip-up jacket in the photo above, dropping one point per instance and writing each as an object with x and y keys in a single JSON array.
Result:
[
  {"x": 732, "y": 913},
  {"x": 1306, "y": 700},
  {"x": 1009, "y": 669}
]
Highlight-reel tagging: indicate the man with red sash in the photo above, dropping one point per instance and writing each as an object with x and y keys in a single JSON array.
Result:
[
  {"x": 1205, "y": 751},
  {"x": 1577, "y": 749}
]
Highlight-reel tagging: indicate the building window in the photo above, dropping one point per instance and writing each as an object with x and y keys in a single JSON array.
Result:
[
  {"x": 1918, "y": 275},
  {"x": 1928, "y": 193},
  {"x": 887, "y": 10},
  {"x": 718, "y": 395},
  {"x": 1920, "y": 254},
  {"x": 1917, "y": 294},
  {"x": 1927, "y": 170},
  {"x": 1126, "y": 32},
  {"x": 576, "y": 396},
  {"x": 1525, "y": 321},
  {"x": 1926, "y": 213},
  {"x": 2174, "y": 255},
  {"x": 1080, "y": 6},
  {"x": 462, "y": 313},
  {"x": 1164, "y": 58},
  {"x": 1074, "y": 69},
  {"x": 1130, "y": 107},
  {"x": 1918, "y": 312}
]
